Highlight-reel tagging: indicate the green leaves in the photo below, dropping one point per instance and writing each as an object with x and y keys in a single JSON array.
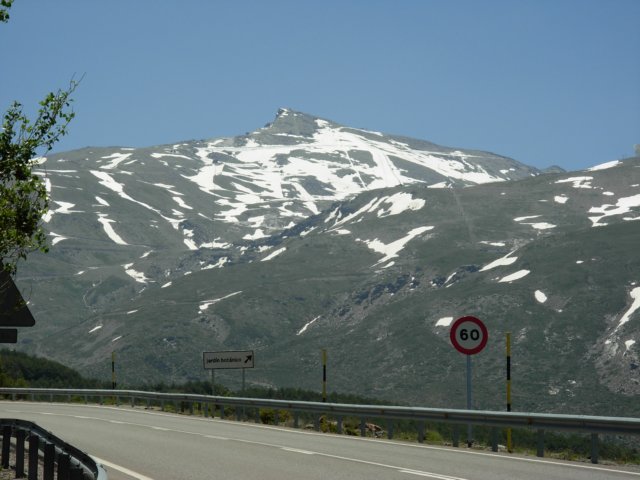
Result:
[
  {"x": 5, "y": 5},
  {"x": 23, "y": 194}
]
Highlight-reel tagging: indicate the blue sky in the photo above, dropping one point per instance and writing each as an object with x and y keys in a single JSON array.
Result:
[{"x": 543, "y": 81}]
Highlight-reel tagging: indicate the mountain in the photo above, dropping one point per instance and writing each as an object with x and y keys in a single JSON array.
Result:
[{"x": 306, "y": 234}]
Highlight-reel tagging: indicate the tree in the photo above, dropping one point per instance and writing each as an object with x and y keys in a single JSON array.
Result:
[{"x": 23, "y": 194}]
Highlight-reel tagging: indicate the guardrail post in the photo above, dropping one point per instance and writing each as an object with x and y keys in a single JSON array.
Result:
[
  {"x": 339, "y": 424},
  {"x": 421, "y": 427},
  {"x": 13, "y": 397},
  {"x": 6, "y": 445},
  {"x": 494, "y": 439},
  {"x": 296, "y": 419},
  {"x": 238, "y": 414},
  {"x": 257, "y": 419},
  {"x": 20, "y": 437},
  {"x": 594, "y": 448},
  {"x": 363, "y": 428},
  {"x": 49, "y": 460},
  {"x": 133, "y": 401},
  {"x": 76, "y": 473},
  {"x": 34, "y": 446},
  {"x": 86, "y": 399},
  {"x": 456, "y": 436},
  {"x": 190, "y": 408},
  {"x": 389, "y": 429},
  {"x": 540, "y": 449},
  {"x": 205, "y": 407},
  {"x": 162, "y": 405},
  {"x": 276, "y": 417},
  {"x": 221, "y": 412},
  {"x": 64, "y": 466},
  {"x": 50, "y": 398},
  {"x": 33, "y": 397}
]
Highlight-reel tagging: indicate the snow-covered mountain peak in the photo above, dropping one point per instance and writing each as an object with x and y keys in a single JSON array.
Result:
[{"x": 233, "y": 191}]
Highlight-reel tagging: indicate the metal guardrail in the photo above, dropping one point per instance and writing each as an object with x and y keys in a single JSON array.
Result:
[
  {"x": 72, "y": 463},
  {"x": 540, "y": 422}
]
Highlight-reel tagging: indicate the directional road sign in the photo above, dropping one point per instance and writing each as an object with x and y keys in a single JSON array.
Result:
[
  {"x": 13, "y": 309},
  {"x": 219, "y": 360},
  {"x": 469, "y": 335}
]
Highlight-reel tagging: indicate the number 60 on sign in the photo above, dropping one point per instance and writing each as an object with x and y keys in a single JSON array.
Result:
[{"x": 469, "y": 335}]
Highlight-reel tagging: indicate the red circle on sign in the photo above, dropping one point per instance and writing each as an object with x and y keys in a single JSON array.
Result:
[{"x": 469, "y": 345}]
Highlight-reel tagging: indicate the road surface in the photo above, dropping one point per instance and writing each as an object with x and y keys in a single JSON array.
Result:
[{"x": 150, "y": 445}]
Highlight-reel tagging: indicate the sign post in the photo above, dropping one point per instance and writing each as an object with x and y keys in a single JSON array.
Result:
[{"x": 469, "y": 336}]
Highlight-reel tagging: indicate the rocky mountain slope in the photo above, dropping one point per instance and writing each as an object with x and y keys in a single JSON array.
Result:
[{"x": 306, "y": 235}]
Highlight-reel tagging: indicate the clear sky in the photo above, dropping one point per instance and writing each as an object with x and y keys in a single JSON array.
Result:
[{"x": 543, "y": 81}]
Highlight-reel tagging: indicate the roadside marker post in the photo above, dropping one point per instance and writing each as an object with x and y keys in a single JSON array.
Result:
[
  {"x": 509, "y": 445},
  {"x": 113, "y": 370},
  {"x": 469, "y": 336},
  {"x": 324, "y": 376}
]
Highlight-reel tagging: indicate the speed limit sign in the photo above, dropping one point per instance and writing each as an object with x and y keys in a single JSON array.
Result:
[{"x": 469, "y": 335}]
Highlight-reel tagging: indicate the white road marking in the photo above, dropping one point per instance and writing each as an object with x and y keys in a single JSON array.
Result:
[
  {"x": 430, "y": 475},
  {"x": 124, "y": 470},
  {"x": 295, "y": 450}
]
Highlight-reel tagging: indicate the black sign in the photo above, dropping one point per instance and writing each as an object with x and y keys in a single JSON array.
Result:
[
  {"x": 13, "y": 309},
  {"x": 8, "y": 335}
]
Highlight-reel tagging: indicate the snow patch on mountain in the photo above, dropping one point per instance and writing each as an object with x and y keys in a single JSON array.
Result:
[
  {"x": 56, "y": 238},
  {"x": 108, "y": 229},
  {"x": 604, "y": 166},
  {"x": 444, "y": 322},
  {"x": 274, "y": 254},
  {"x": 540, "y": 296},
  {"x": 207, "y": 303},
  {"x": 137, "y": 276},
  {"x": 399, "y": 203},
  {"x": 622, "y": 206},
  {"x": 501, "y": 262},
  {"x": 515, "y": 276},
  {"x": 578, "y": 182},
  {"x": 117, "y": 159},
  {"x": 391, "y": 250},
  {"x": 635, "y": 295},
  {"x": 64, "y": 208},
  {"x": 307, "y": 325}
]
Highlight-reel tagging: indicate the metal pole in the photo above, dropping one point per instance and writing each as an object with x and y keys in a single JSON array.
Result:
[
  {"x": 113, "y": 370},
  {"x": 324, "y": 375},
  {"x": 509, "y": 444},
  {"x": 213, "y": 384},
  {"x": 243, "y": 382},
  {"x": 469, "y": 401}
]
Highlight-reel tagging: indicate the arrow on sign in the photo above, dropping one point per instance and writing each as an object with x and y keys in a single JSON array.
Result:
[{"x": 249, "y": 358}]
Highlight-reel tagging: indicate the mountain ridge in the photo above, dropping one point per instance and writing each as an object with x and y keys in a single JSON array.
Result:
[{"x": 164, "y": 252}]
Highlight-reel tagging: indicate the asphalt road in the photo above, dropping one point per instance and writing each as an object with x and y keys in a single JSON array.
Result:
[{"x": 144, "y": 445}]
